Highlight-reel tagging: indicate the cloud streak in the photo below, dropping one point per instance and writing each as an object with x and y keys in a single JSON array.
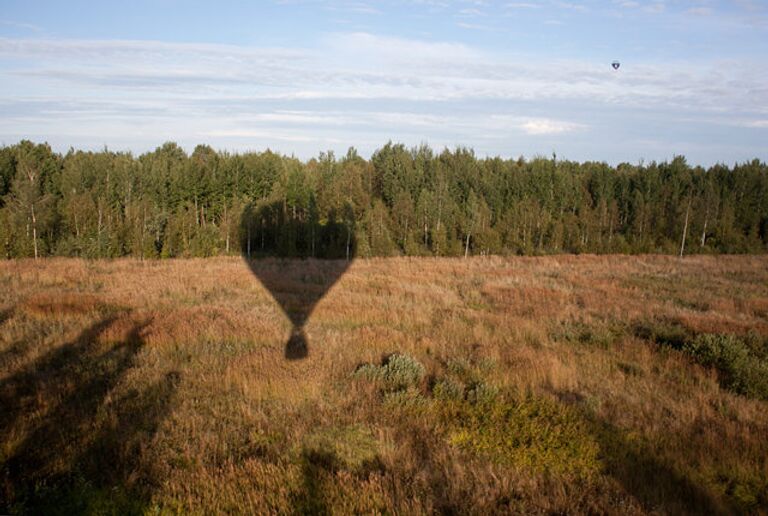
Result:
[
  {"x": 361, "y": 65},
  {"x": 436, "y": 91}
]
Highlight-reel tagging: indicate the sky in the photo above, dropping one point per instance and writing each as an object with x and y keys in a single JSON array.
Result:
[{"x": 504, "y": 78}]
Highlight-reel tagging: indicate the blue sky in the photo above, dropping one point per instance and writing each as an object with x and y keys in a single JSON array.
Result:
[{"x": 505, "y": 78}]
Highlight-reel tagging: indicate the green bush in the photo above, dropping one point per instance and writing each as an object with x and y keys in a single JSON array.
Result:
[
  {"x": 396, "y": 372},
  {"x": 401, "y": 371},
  {"x": 741, "y": 370},
  {"x": 481, "y": 392},
  {"x": 665, "y": 333},
  {"x": 368, "y": 372},
  {"x": 757, "y": 344},
  {"x": 597, "y": 333},
  {"x": 406, "y": 400},
  {"x": 448, "y": 389},
  {"x": 742, "y": 362}
]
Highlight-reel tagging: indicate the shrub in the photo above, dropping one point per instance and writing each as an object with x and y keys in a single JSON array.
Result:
[
  {"x": 481, "y": 392},
  {"x": 447, "y": 389},
  {"x": 396, "y": 372},
  {"x": 406, "y": 400},
  {"x": 401, "y": 371},
  {"x": 741, "y": 370},
  {"x": 757, "y": 344},
  {"x": 368, "y": 372},
  {"x": 600, "y": 334},
  {"x": 665, "y": 333},
  {"x": 630, "y": 368}
]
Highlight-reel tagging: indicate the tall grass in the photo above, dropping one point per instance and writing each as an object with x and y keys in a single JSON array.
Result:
[{"x": 569, "y": 384}]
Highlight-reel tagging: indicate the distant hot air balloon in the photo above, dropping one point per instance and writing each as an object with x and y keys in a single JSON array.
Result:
[{"x": 615, "y": 65}]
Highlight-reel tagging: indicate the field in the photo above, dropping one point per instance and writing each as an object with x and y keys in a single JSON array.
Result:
[{"x": 607, "y": 384}]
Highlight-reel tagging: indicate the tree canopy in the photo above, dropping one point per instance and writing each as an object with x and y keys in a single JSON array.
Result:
[{"x": 403, "y": 201}]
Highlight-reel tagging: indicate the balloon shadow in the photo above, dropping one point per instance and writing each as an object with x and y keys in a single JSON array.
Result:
[{"x": 297, "y": 257}]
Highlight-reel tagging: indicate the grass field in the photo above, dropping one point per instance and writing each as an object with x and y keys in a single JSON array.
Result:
[{"x": 607, "y": 384}]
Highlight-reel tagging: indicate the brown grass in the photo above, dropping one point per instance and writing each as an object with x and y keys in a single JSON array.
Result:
[{"x": 132, "y": 386}]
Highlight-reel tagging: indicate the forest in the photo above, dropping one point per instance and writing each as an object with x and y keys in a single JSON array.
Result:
[{"x": 402, "y": 201}]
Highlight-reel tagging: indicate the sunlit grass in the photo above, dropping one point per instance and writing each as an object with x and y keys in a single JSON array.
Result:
[{"x": 554, "y": 384}]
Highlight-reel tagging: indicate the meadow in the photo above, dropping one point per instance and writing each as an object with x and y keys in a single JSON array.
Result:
[{"x": 558, "y": 384}]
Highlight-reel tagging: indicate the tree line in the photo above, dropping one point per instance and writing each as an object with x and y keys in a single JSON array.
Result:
[{"x": 402, "y": 201}]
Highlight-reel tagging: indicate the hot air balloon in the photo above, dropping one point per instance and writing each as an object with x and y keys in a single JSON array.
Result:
[{"x": 615, "y": 65}]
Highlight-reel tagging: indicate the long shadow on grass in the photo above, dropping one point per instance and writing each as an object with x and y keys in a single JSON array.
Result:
[
  {"x": 314, "y": 465},
  {"x": 642, "y": 473},
  {"x": 15, "y": 349},
  {"x": 298, "y": 257},
  {"x": 319, "y": 466},
  {"x": 72, "y": 447},
  {"x": 5, "y": 314}
]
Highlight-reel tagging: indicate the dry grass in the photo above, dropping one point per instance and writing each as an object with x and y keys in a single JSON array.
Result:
[{"x": 164, "y": 386}]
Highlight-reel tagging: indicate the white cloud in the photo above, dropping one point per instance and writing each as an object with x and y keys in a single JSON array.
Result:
[
  {"x": 471, "y": 12},
  {"x": 362, "y": 65},
  {"x": 21, "y": 25},
  {"x": 474, "y": 26},
  {"x": 268, "y": 135},
  {"x": 522, "y": 5},
  {"x": 570, "y": 5},
  {"x": 546, "y": 126},
  {"x": 433, "y": 90},
  {"x": 700, "y": 11},
  {"x": 398, "y": 50},
  {"x": 655, "y": 7}
]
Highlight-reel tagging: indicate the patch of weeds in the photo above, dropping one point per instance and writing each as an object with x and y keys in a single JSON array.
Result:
[
  {"x": 352, "y": 448},
  {"x": 478, "y": 305},
  {"x": 230, "y": 347},
  {"x": 532, "y": 339},
  {"x": 260, "y": 443},
  {"x": 741, "y": 361},
  {"x": 525, "y": 432},
  {"x": 473, "y": 296},
  {"x": 463, "y": 380},
  {"x": 216, "y": 293},
  {"x": 448, "y": 389},
  {"x": 532, "y": 433},
  {"x": 462, "y": 368},
  {"x": 481, "y": 393},
  {"x": 469, "y": 370},
  {"x": 630, "y": 368},
  {"x": 749, "y": 492},
  {"x": 666, "y": 333},
  {"x": 79, "y": 496},
  {"x": 326, "y": 451},
  {"x": 598, "y": 334},
  {"x": 699, "y": 306},
  {"x": 741, "y": 370},
  {"x": 757, "y": 344},
  {"x": 396, "y": 372},
  {"x": 370, "y": 372},
  {"x": 407, "y": 400}
]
